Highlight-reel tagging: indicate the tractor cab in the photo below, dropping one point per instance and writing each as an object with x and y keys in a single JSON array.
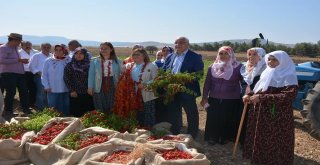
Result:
[{"x": 308, "y": 74}]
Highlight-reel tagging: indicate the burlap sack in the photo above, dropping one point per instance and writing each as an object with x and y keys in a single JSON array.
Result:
[
  {"x": 188, "y": 141},
  {"x": 12, "y": 151},
  {"x": 95, "y": 155},
  {"x": 45, "y": 154},
  {"x": 64, "y": 156},
  {"x": 198, "y": 158},
  {"x": 165, "y": 126},
  {"x": 18, "y": 120}
]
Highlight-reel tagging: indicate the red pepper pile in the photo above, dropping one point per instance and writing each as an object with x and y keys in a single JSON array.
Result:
[
  {"x": 93, "y": 139},
  {"x": 118, "y": 157},
  {"x": 153, "y": 137},
  {"x": 175, "y": 154},
  {"x": 50, "y": 133},
  {"x": 76, "y": 141}
]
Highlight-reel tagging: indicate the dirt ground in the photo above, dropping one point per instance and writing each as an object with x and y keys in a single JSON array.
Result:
[{"x": 307, "y": 149}]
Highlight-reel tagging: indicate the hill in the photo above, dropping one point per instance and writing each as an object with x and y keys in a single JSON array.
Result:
[{"x": 37, "y": 40}]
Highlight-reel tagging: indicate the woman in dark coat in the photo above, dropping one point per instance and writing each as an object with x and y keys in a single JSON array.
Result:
[
  {"x": 270, "y": 128},
  {"x": 76, "y": 79},
  {"x": 222, "y": 92}
]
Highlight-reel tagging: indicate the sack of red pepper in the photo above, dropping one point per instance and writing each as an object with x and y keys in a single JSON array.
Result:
[
  {"x": 154, "y": 138},
  {"x": 71, "y": 148},
  {"x": 117, "y": 151},
  {"x": 180, "y": 155},
  {"x": 40, "y": 148},
  {"x": 12, "y": 139}
]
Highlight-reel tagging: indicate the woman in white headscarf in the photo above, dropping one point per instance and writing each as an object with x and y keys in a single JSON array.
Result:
[
  {"x": 252, "y": 70},
  {"x": 270, "y": 129},
  {"x": 221, "y": 92}
]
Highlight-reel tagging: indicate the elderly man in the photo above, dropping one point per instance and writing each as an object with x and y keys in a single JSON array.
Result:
[
  {"x": 184, "y": 60},
  {"x": 72, "y": 45},
  {"x": 12, "y": 73},
  {"x": 36, "y": 66},
  {"x": 26, "y": 52}
]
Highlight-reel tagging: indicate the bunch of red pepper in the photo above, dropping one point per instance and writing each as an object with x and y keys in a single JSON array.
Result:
[
  {"x": 50, "y": 133},
  {"x": 13, "y": 131},
  {"x": 175, "y": 154},
  {"x": 120, "y": 157},
  {"x": 125, "y": 102}
]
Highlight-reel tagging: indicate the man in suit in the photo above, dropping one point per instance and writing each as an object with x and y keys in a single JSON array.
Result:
[{"x": 184, "y": 60}]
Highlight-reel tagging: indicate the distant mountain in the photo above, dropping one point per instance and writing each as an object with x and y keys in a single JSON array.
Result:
[{"x": 37, "y": 40}]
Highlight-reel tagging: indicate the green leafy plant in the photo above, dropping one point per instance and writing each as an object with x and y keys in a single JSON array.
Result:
[
  {"x": 167, "y": 84},
  {"x": 39, "y": 119},
  {"x": 14, "y": 131}
]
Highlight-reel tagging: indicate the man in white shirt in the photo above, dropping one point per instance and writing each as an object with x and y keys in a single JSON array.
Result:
[
  {"x": 26, "y": 52},
  {"x": 36, "y": 66}
]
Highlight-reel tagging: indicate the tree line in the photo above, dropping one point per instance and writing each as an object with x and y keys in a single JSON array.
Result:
[{"x": 304, "y": 49}]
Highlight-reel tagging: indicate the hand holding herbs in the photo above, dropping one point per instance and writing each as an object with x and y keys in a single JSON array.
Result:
[{"x": 172, "y": 84}]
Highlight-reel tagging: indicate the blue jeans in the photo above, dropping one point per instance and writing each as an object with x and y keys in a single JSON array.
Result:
[
  {"x": 59, "y": 101},
  {"x": 41, "y": 97}
]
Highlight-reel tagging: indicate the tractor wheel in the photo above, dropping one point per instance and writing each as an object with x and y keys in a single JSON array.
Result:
[{"x": 311, "y": 111}]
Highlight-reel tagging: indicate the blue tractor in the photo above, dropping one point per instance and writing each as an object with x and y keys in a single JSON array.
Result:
[{"x": 308, "y": 97}]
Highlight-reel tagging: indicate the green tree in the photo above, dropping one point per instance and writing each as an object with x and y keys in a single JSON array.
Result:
[
  {"x": 151, "y": 49},
  {"x": 207, "y": 47},
  {"x": 195, "y": 47}
]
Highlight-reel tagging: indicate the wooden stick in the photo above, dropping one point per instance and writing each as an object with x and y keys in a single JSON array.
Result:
[{"x": 239, "y": 130}]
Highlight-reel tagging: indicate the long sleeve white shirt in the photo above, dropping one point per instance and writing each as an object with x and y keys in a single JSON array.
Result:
[
  {"x": 52, "y": 74},
  {"x": 37, "y": 61},
  {"x": 24, "y": 55}
]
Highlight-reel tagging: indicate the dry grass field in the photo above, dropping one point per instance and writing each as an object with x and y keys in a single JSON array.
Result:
[{"x": 207, "y": 55}]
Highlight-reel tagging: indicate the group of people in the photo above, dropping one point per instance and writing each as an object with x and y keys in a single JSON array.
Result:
[
  {"x": 75, "y": 82},
  {"x": 267, "y": 83}
]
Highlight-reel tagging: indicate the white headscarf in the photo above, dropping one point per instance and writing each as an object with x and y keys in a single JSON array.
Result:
[
  {"x": 247, "y": 74},
  {"x": 220, "y": 69},
  {"x": 282, "y": 75}
]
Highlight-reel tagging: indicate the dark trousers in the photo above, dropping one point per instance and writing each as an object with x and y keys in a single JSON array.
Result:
[
  {"x": 161, "y": 110},
  {"x": 9, "y": 83},
  {"x": 223, "y": 117},
  {"x": 81, "y": 104},
  {"x": 31, "y": 88},
  {"x": 175, "y": 115}
]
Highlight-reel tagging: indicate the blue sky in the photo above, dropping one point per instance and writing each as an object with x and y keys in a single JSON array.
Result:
[{"x": 284, "y": 21}]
